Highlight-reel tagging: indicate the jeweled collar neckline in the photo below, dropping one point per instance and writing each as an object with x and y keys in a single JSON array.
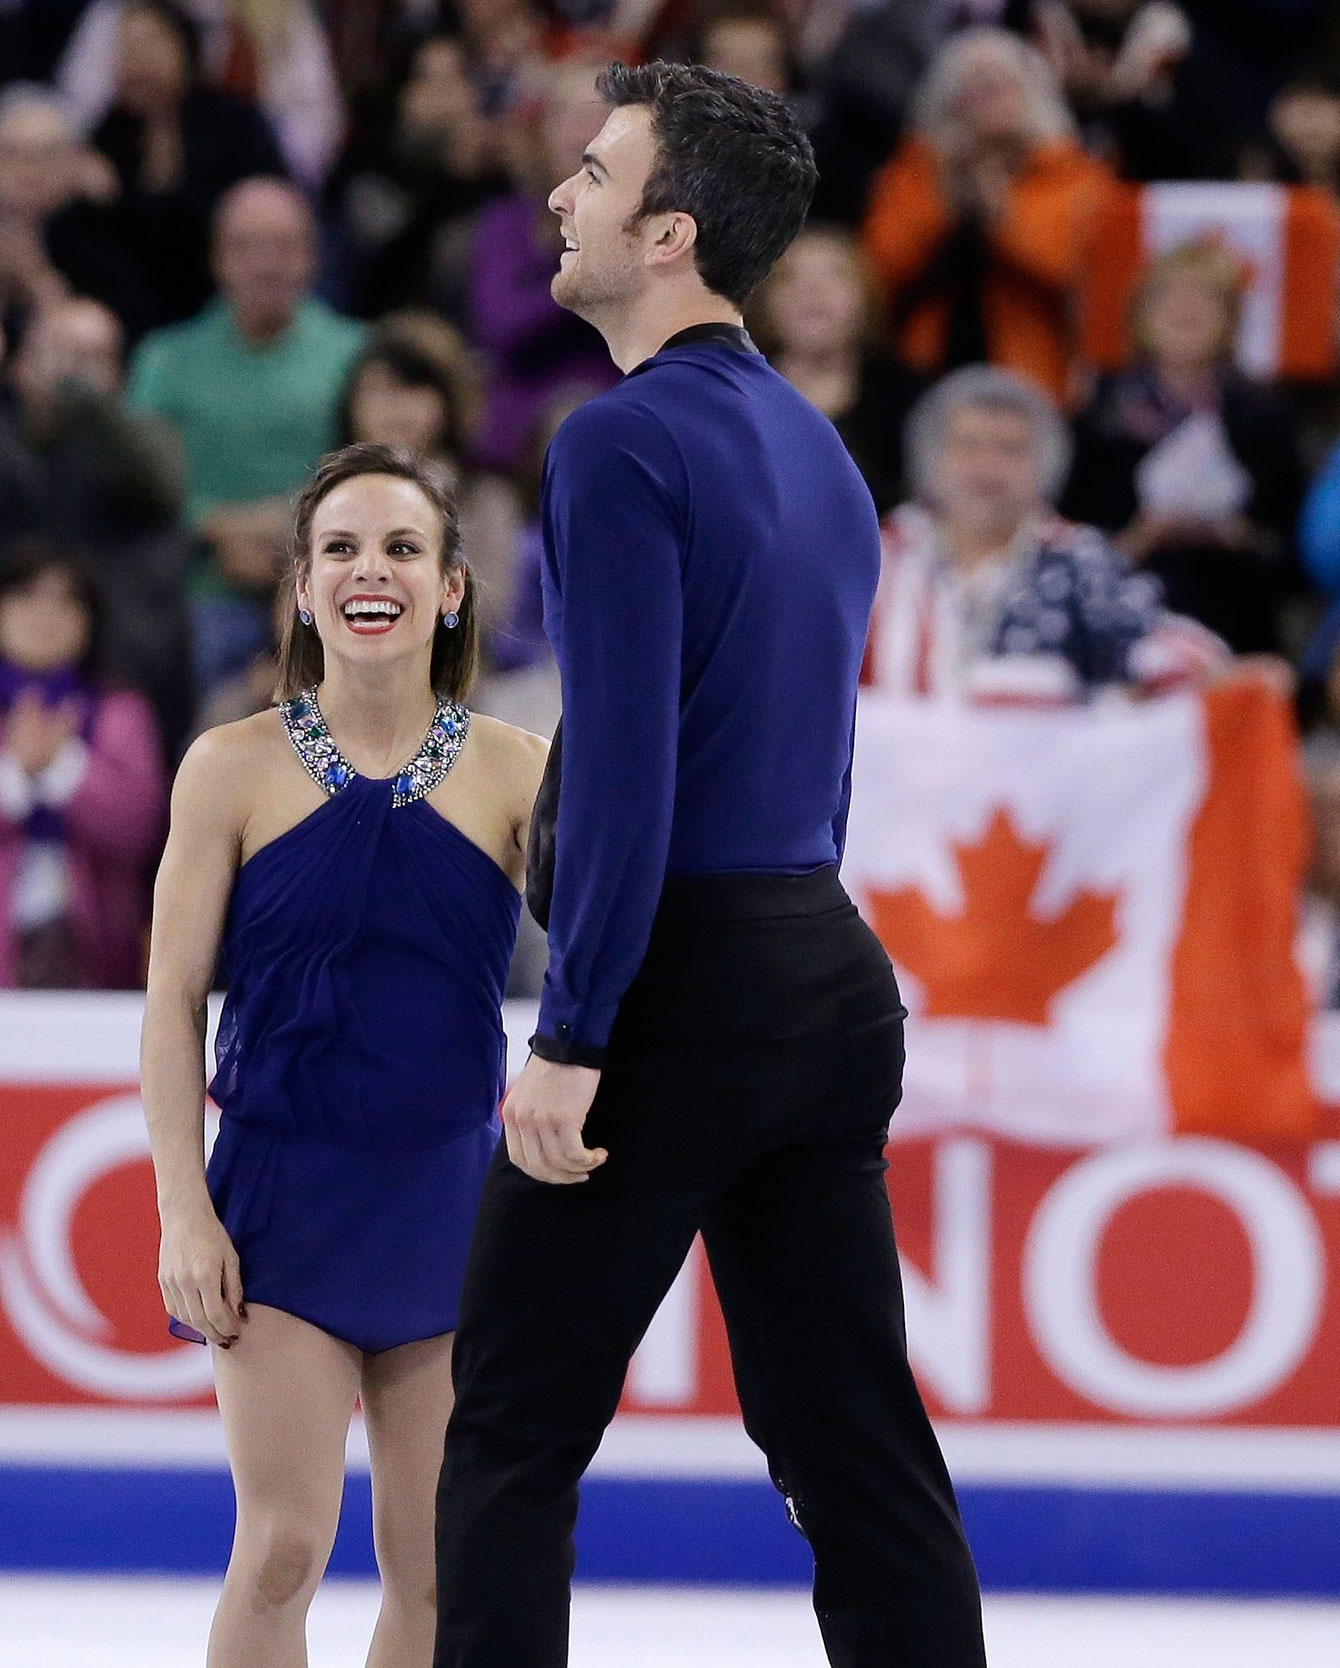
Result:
[{"x": 312, "y": 741}]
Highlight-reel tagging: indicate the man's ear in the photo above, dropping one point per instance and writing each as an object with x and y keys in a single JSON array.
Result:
[{"x": 674, "y": 240}]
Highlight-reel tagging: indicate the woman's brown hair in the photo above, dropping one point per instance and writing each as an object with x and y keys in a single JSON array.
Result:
[
  {"x": 302, "y": 661},
  {"x": 758, "y": 314}
]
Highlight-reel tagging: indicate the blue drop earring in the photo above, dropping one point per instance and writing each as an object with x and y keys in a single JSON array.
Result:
[
  {"x": 451, "y": 620},
  {"x": 305, "y": 616}
]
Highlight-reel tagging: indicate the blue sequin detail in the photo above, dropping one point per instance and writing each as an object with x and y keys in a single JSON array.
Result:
[{"x": 331, "y": 771}]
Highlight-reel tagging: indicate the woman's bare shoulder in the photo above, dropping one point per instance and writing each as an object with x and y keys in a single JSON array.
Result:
[
  {"x": 508, "y": 748},
  {"x": 231, "y": 762}
]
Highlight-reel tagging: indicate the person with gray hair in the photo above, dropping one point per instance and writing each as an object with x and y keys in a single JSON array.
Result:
[
  {"x": 984, "y": 388},
  {"x": 980, "y": 224},
  {"x": 985, "y": 593}
]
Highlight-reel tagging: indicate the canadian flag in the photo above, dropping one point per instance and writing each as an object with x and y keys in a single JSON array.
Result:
[
  {"x": 1092, "y": 913},
  {"x": 1287, "y": 240}
]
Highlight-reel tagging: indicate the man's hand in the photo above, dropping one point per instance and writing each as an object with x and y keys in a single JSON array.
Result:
[{"x": 543, "y": 1117}]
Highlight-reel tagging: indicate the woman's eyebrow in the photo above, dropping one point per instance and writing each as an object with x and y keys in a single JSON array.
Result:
[{"x": 395, "y": 533}]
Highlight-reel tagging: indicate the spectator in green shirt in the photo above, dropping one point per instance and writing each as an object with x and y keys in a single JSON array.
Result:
[{"x": 251, "y": 386}]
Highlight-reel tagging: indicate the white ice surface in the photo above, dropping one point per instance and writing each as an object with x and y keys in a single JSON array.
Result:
[{"x": 79, "y": 1623}]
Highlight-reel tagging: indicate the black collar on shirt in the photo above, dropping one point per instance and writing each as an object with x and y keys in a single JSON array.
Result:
[{"x": 729, "y": 335}]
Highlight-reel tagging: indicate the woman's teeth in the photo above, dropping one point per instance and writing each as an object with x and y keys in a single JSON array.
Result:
[
  {"x": 371, "y": 615},
  {"x": 373, "y": 610}
]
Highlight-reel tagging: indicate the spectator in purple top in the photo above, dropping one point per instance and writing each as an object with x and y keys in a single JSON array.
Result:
[
  {"x": 82, "y": 792},
  {"x": 535, "y": 348}
]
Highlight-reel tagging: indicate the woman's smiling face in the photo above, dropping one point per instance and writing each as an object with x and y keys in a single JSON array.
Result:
[{"x": 375, "y": 582}]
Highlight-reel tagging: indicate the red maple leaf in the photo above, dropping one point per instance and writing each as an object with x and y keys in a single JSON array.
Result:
[{"x": 997, "y": 958}]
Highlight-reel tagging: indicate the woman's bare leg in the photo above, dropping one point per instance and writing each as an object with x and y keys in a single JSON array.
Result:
[
  {"x": 286, "y": 1392},
  {"x": 406, "y": 1402}
]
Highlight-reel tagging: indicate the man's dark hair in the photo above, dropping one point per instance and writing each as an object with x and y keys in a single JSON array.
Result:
[{"x": 731, "y": 155}]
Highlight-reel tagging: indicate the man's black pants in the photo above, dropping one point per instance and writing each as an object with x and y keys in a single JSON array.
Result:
[{"x": 749, "y": 1082}]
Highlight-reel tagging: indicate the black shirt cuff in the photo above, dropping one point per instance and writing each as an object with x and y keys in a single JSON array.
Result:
[{"x": 563, "y": 1051}]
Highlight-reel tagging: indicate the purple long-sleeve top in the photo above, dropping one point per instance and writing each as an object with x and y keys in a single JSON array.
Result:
[
  {"x": 711, "y": 556},
  {"x": 537, "y": 350}
]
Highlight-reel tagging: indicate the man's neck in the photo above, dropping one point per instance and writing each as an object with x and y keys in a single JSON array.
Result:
[
  {"x": 646, "y": 327},
  {"x": 262, "y": 330}
]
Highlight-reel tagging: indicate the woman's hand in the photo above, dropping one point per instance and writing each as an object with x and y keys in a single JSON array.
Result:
[
  {"x": 36, "y": 732},
  {"x": 200, "y": 1277}
]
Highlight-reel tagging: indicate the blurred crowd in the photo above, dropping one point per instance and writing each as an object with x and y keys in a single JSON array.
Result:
[{"x": 234, "y": 233}]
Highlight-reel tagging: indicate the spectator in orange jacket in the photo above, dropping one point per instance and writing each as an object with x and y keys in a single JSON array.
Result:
[{"x": 979, "y": 224}]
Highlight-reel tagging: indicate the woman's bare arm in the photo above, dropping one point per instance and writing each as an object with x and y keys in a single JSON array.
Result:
[
  {"x": 198, "y": 1271},
  {"x": 530, "y": 754}
]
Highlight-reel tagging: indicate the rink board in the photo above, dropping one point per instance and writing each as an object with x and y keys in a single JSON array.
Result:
[
  {"x": 690, "y": 1523},
  {"x": 1130, "y": 1354}
]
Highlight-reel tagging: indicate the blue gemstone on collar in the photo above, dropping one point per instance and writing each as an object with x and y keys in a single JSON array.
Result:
[
  {"x": 299, "y": 708},
  {"x": 450, "y": 726},
  {"x": 336, "y": 774},
  {"x": 404, "y": 783}
]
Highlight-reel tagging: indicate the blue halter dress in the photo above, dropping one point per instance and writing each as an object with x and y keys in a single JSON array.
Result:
[{"x": 361, "y": 1053}]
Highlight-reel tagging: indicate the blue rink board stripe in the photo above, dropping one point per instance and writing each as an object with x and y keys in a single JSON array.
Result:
[{"x": 694, "y": 1530}]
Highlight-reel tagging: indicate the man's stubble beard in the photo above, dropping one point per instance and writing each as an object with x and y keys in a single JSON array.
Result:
[{"x": 593, "y": 296}]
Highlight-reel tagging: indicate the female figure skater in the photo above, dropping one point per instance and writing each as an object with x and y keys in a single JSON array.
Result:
[{"x": 357, "y": 855}]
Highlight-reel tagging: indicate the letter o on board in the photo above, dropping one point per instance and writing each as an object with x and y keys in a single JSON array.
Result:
[{"x": 1060, "y": 1266}]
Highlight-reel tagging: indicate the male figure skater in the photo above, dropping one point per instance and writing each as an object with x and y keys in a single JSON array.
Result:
[{"x": 720, "y": 1037}]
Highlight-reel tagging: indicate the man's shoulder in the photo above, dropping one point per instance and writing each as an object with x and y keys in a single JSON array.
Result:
[
  {"x": 320, "y": 323},
  {"x": 167, "y": 346},
  {"x": 168, "y": 365},
  {"x": 173, "y": 342},
  {"x": 619, "y": 415}
]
